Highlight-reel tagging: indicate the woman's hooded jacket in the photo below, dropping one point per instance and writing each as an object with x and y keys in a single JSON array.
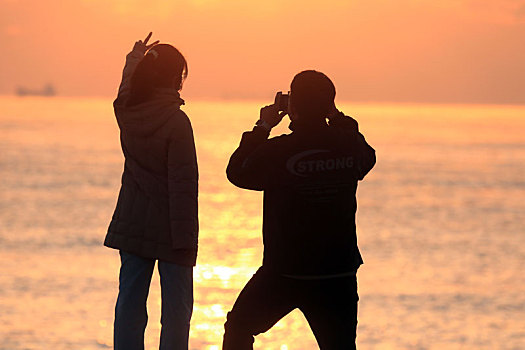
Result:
[{"x": 156, "y": 215}]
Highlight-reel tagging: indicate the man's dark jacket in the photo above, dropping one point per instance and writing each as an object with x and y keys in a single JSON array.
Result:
[
  {"x": 156, "y": 214},
  {"x": 309, "y": 179}
]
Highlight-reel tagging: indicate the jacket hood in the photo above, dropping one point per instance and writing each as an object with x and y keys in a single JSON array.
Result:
[{"x": 146, "y": 118}]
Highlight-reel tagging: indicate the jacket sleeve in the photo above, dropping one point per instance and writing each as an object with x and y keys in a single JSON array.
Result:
[
  {"x": 365, "y": 155},
  {"x": 132, "y": 60},
  {"x": 183, "y": 186},
  {"x": 247, "y": 167}
]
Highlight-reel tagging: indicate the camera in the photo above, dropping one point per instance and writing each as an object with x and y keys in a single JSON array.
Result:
[{"x": 281, "y": 101}]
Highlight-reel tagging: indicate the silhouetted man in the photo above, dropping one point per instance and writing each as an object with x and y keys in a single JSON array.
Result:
[{"x": 309, "y": 179}]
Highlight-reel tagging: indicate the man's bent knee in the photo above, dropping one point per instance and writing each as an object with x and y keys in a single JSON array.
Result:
[{"x": 237, "y": 336}]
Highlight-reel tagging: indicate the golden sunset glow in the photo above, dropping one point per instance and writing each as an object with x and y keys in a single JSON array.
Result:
[
  {"x": 64, "y": 180},
  {"x": 405, "y": 51},
  {"x": 437, "y": 87}
]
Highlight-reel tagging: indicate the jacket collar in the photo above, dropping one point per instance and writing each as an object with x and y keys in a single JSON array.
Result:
[
  {"x": 168, "y": 94},
  {"x": 307, "y": 126}
]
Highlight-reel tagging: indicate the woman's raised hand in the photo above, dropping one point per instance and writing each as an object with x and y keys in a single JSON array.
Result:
[{"x": 142, "y": 46}]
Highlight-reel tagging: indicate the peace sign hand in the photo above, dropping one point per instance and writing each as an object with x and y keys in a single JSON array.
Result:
[{"x": 142, "y": 46}]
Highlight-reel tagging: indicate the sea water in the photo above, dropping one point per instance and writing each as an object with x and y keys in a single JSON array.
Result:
[{"x": 441, "y": 226}]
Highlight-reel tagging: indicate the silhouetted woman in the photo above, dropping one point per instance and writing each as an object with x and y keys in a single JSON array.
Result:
[{"x": 156, "y": 214}]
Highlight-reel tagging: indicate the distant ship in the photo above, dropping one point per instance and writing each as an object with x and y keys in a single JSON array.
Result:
[{"x": 47, "y": 90}]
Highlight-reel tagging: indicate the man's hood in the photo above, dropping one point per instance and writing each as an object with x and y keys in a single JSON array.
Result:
[{"x": 146, "y": 118}]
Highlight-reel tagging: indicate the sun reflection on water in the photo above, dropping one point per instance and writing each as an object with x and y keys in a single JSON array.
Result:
[{"x": 447, "y": 179}]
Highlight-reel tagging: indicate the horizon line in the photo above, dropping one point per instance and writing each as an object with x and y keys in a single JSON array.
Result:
[{"x": 262, "y": 100}]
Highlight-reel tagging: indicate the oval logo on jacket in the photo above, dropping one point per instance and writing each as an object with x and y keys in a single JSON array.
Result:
[{"x": 317, "y": 161}]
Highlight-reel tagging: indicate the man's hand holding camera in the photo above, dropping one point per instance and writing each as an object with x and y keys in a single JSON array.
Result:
[
  {"x": 334, "y": 113},
  {"x": 272, "y": 115}
]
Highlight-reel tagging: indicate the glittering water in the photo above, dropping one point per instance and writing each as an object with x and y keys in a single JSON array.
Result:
[{"x": 441, "y": 226}]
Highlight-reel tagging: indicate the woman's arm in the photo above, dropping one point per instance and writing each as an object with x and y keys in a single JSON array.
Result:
[
  {"x": 132, "y": 59},
  {"x": 183, "y": 185}
]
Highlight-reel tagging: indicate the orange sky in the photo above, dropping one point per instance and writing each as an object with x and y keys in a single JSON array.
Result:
[{"x": 461, "y": 51}]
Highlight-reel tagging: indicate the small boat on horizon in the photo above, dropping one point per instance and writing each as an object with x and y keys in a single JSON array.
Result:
[{"x": 48, "y": 90}]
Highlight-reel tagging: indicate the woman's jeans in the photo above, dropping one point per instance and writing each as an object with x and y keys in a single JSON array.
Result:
[{"x": 131, "y": 316}]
